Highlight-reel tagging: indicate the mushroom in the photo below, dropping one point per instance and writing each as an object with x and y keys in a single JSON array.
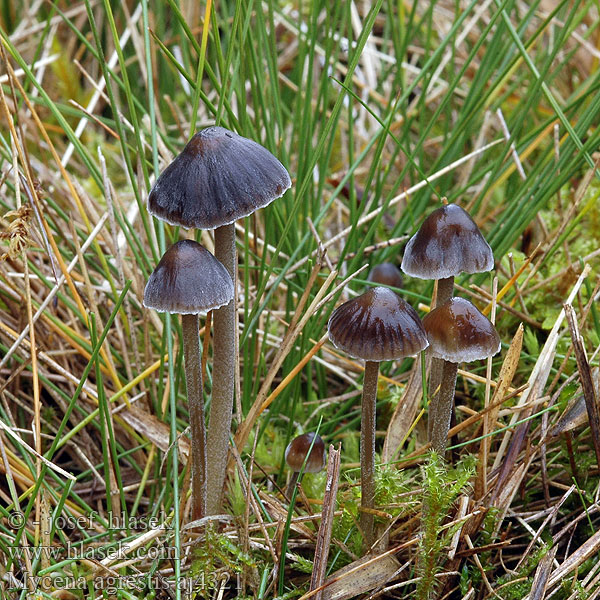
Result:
[
  {"x": 386, "y": 274},
  {"x": 457, "y": 332},
  {"x": 189, "y": 280},
  {"x": 447, "y": 244},
  {"x": 218, "y": 178},
  {"x": 296, "y": 453},
  {"x": 376, "y": 326}
]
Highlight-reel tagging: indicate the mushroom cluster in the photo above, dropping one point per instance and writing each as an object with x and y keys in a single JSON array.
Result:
[
  {"x": 221, "y": 177},
  {"x": 218, "y": 178},
  {"x": 447, "y": 244}
]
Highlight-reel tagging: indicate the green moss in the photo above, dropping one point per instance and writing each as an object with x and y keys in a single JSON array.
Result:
[
  {"x": 218, "y": 557},
  {"x": 301, "y": 563},
  {"x": 442, "y": 486},
  {"x": 517, "y": 584},
  {"x": 392, "y": 492}
]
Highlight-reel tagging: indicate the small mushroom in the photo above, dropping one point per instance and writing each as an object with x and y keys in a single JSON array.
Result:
[
  {"x": 376, "y": 326},
  {"x": 447, "y": 244},
  {"x": 386, "y": 274},
  {"x": 457, "y": 332},
  {"x": 218, "y": 178},
  {"x": 296, "y": 453},
  {"x": 189, "y": 280}
]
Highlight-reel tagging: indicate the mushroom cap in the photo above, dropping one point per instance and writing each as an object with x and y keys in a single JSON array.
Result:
[
  {"x": 188, "y": 280},
  {"x": 218, "y": 178},
  {"x": 386, "y": 274},
  {"x": 458, "y": 332},
  {"x": 376, "y": 326},
  {"x": 297, "y": 449},
  {"x": 448, "y": 243}
]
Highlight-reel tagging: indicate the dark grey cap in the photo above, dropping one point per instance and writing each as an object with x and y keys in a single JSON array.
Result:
[
  {"x": 448, "y": 243},
  {"x": 218, "y": 178},
  {"x": 458, "y": 332},
  {"x": 376, "y": 326},
  {"x": 188, "y": 280}
]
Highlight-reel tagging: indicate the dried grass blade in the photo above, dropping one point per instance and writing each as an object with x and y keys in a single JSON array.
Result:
[
  {"x": 40, "y": 126},
  {"x": 585, "y": 551},
  {"x": 43, "y": 459},
  {"x": 325, "y": 529},
  {"x": 538, "y": 377},
  {"x": 288, "y": 378},
  {"x": 550, "y": 517},
  {"x": 575, "y": 415},
  {"x": 153, "y": 429},
  {"x": 507, "y": 372},
  {"x": 361, "y": 576},
  {"x": 585, "y": 376}
]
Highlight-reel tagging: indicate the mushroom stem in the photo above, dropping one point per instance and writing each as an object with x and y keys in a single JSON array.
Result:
[
  {"x": 367, "y": 451},
  {"x": 223, "y": 374},
  {"x": 443, "y": 408},
  {"x": 445, "y": 288},
  {"x": 291, "y": 485},
  {"x": 193, "y": 379}
]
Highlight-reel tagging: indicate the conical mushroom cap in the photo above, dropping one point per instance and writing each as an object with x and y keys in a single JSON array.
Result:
[
  {"x": 297, "y": 449},
  {"x": 386, "y": 274},
  {"x": 188, "y": 280},
  {"x": 458, "y": 332},
  {"x": 218, "y": 178},
  {"x": 448, "y": 243},
  {"x": 376, "y": 326}
]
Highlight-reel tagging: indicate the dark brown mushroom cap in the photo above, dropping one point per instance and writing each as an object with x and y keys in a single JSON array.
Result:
[
  {"x": 298, "y": 448},
  {"x": 458, "y": 332},
  {"x": 448, "y": 243},
  {"x": 218, "y": 178},
  {"x": 376, "y": 326},
  {"x": 188, "y": 280},
  {"x": 386, "y": 274}
]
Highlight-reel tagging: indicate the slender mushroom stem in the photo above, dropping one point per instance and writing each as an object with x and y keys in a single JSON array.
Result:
[
  {"x": 223, "y": 374},
  {"x": 367, "y": 451},
  {"x": 193, "y": 378},
  {"x": 444, "y": 405},
  {"x": 291, "y": 485},
  {"x": 445, "y": 288}
]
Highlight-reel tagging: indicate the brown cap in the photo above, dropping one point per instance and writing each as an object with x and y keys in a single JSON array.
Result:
[
  {"x": 448, "y": 243},
  {"x": 376, "y": 326},
  {"x": 188, "y": 280},
  {"x": 298, "y": 448},
  {"x": 218, "y": 178},
  {"x": 386, "y": 274},
  {"x": 458, "y": 332}
]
